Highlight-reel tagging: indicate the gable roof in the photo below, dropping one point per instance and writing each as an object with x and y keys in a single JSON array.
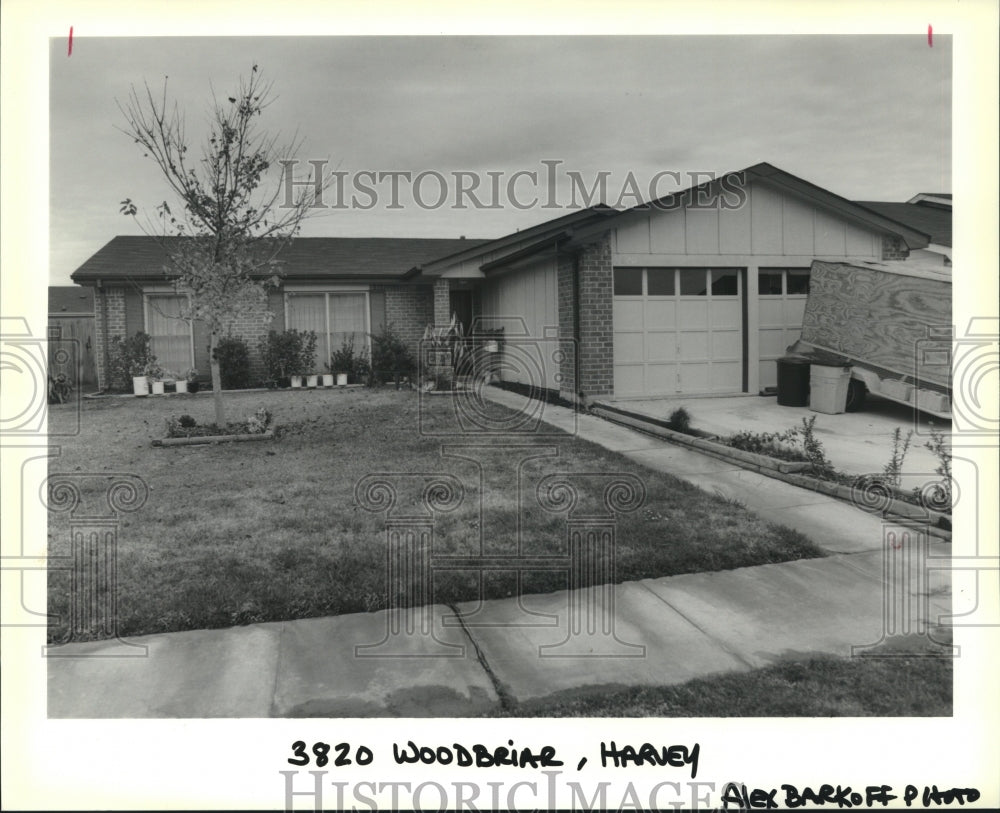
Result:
[
  {"x": 141, "y": 257},
  {"x": 71, "y": 299},
  {"x": 934, "y": 221}
]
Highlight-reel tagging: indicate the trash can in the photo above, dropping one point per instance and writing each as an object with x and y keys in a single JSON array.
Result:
[
  {"x": 828, "y": 388},
  {"x": 793, "y": 381}
]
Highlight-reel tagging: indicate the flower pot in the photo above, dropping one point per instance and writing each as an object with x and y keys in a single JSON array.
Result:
[
  {"x": 491, "y": 347},
  {"x": 341, "y": 379},
  {"x": 312, "y": 381},
  {"x": 327, "y": 380},
  {"x": 296, "y": 382},
  {"x": 158, "y": 388},
  {"x": 140, "y": 386},
  {"x": 182, "y": 386}
]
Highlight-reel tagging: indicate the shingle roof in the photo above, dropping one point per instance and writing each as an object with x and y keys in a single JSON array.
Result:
[
  {"x": 71, "y": 299},
  {"x": 141, "y": 257},
  {"x": 932, "y": 220}
]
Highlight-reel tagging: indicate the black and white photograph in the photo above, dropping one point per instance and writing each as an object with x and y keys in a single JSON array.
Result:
[{"x": 411, "y": 383}]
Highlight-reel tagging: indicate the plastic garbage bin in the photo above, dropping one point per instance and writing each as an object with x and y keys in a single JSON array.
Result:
[
  {"x": 828, "y": 388},
  {"x": 793, "y": 381}
]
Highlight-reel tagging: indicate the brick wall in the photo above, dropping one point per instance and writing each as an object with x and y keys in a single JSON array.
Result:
[
  {"x": 112, "y": 302},
  {"x": 566, "y": 291},
  {"x": 893, "y": 248},
  {"x": 252, "y": 328},
  {"x": 596, "y": 334},
  {"x": 409, "y": 309},
  {"x": 442, "y": 302}
]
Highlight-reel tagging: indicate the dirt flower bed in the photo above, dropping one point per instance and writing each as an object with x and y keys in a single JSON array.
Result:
[{"x": 187, "y": 427}]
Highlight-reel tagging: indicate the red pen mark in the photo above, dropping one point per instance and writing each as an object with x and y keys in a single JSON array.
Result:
[
  {"x": 930, "y": 36},
  {"x": 69, "y": 50}
]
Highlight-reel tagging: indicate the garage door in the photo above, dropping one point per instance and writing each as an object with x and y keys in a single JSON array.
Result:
[
  {"x": 783, "y": 294},
  {"x": 678, "y": 331}
]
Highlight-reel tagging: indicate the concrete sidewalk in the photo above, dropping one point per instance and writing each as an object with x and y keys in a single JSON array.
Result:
[{"x": 651, "y": 632}]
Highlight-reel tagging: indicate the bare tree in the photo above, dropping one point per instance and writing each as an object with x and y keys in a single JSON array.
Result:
[{"x": 229, "y": 223}]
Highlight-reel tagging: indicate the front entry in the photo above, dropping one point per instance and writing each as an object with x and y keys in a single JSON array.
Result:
[{"x": 678, "y": 331}]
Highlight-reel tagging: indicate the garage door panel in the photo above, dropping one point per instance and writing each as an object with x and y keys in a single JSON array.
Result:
[
  {"x": 660, "y": 313},
  {"x": 726, "y": 313},
  {"x": 661, "y": 378},
  {"x": 692, "y": 313},
  {"x": 694, "y": 378},
  {"x": 628, "y": 347},
  {"x": 772, "y": 342},
  {"x": 627, "y": 313},
  {"x": 661, "y": 347},
  {"x": 629, "y": 379},
  {"x": 723, "y": 374},
  {"x": 728, "y": 345},
  {"x": 772, "y": 312},
  {"x": 694, "y": 345}
]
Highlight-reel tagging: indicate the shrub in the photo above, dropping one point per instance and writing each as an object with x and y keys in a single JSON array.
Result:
[
  {"x": 680, "y": 420},
  {"x": 233, "y": 356},
  {"x": 351, "y": 361},
  {"x": 291, "y": 352},
  {"x": 60, "y": 388},
  {"x": 390, "y": 354},
  {"x": 130, "y": 356}
]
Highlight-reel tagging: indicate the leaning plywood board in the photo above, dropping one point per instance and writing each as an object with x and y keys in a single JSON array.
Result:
[{"x": 893, "y": 319}]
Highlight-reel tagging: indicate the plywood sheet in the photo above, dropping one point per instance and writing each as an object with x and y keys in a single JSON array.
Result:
[{"x": 885, "y": 319}]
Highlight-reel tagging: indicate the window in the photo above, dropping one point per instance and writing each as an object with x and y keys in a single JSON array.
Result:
[
  {"x": 693, "y": 282},
  {"x": 660, "y": 281},
  {"x": 628, "y": 282},
  {"x": 169, "y": 334},
  {"x": 725, "y": 282},
  {"x": 783, "y": 281},
  {"x": 335, "y": 317}
]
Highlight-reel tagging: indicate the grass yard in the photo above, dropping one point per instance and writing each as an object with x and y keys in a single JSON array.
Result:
[
  {"x": 241, "y": 533},
  {"x": 902, "y": 679}
]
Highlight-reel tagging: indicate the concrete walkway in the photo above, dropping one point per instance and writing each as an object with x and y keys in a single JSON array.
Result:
[{"x": 478, "y": 657}]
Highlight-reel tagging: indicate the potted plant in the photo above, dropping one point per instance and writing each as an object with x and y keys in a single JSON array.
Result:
[
  {"x": 327, "y": 379},
  {"x": 305, "y": 359},
  {"x": 155, "y": 375},
  {"x": 190, "y": 381}
]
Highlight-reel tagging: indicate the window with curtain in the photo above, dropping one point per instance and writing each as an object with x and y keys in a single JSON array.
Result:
[
  {"x": 336, "y": 318},
  {"x": 169, "y": 335}
]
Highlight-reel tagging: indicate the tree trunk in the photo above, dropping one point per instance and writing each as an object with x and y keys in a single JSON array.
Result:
[{"x": 220, "y": 411}]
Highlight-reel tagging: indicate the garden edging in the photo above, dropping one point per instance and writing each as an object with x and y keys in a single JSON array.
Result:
[{"x": 268, "y": 435}]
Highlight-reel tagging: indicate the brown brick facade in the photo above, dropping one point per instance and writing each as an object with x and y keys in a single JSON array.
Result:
[
  {"x": 596, "y": 350},
  {"x": 409, "y": 309},
  {"x": 109, "y": 304}
]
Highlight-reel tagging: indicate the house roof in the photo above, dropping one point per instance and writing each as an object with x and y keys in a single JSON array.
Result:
[
  {"x": 141, "y": 257},
  {"x": 71, "y": 299},
  {"x": 935, "y": 221}
]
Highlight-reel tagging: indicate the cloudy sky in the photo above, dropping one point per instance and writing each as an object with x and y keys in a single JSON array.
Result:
[{"x": 867, "y": 117}]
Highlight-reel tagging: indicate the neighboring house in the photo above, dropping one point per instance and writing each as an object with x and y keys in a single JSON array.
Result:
[
  {"x": 929, "y": 212},
  {"x": 71, "y": 334},
  {"x": 697, "y": 293}
]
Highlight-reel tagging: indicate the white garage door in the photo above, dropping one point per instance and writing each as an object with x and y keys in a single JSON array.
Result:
[
  {"x": 525, "y": 304},
  {"x": 678, "y": 331},
  {"x": 783, "y": 294}
]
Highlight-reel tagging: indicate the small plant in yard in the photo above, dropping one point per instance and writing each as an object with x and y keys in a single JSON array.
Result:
[
  {"x": 130, "y": 357},
  {"x": 233, "y": 356},
  {"x": 60, "y": 388},
  {"x": 939, "y": 495},
  {"x": 780, "y": 445},
  {"x": 351, "y": 361},
  {"x": 391, "y": 356},
  {"x": 680, "y": 420},
  {"x": 812, "y": 447},
  {"x": 291, "y": 352},
  {"x": 893, "y": 470}
]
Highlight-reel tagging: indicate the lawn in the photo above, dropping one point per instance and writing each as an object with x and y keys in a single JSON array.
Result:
[
  {"x": 241, "y": 533},
  {"x": 904, "y": 679}
]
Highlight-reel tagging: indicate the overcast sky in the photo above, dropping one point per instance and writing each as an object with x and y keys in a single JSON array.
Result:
[{"x": 866, "y": 117}]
